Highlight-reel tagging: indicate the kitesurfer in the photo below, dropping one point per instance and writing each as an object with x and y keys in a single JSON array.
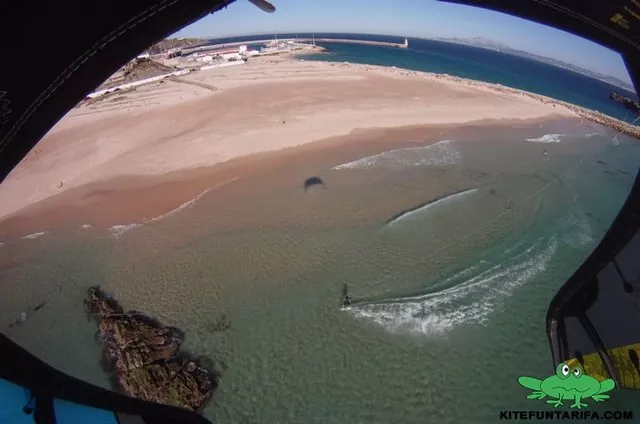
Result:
[{"x": 346, "y": 299}]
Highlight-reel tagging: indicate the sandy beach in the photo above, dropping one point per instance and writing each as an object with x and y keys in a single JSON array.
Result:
[{"x": 169, "y": 141}]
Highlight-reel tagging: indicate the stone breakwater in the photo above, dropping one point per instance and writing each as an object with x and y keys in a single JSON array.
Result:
[
  {"x": 584, "y": 113},
  {"x": 144, "y": 359}
]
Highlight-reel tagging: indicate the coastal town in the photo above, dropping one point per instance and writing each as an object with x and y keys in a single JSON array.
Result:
[{"x": 177, "y": 57}]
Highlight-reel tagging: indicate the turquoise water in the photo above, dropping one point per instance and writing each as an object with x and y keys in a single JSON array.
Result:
[{"x": 449, "y": 302}]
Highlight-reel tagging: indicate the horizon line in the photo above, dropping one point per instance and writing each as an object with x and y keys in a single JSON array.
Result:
[{"x": 629, "y": 85}]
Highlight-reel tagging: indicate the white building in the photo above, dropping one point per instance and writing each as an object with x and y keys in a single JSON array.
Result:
[{"x": 231, "y": 56}]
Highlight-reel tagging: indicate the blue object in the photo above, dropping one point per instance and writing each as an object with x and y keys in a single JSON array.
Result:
[
  {"x": 73, "y": 413},
  {"x": 12, "y": 399}
]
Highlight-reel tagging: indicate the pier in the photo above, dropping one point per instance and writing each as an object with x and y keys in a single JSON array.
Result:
[
  {"x": 369, "y": 42},
  {"x": 296, "y": 40}
]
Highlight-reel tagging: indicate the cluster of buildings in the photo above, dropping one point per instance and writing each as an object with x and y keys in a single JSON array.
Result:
[
  {"x": 184, "y": 58},
  {"x": 281, "y": 46},
  {"x": 188, "y": 57},
  {"x": 228, "y": 55}
]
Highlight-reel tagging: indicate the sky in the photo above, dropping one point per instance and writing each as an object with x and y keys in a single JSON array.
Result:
[{"x": 409, "y": 18}]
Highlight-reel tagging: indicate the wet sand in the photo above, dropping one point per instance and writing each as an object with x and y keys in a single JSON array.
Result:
[{"x": 127, "y": 200}]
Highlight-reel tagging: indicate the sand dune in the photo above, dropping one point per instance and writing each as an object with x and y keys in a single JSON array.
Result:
[{"x": 262, "y": 106}]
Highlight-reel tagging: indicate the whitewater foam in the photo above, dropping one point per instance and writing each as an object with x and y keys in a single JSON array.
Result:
[
  {"x": 191, "y": 202},
  {"x": 470, "y": 301},
  {"x": 422, "y": 208},
  {"x": 547, "y": 138},
  {"x": 118, "y": 230},
  {"x": 85, "y": 226},
  {"x": 34, "y": 236},
  {"x": 438, "y": 154},
  {"x": 584, "y": 234}
]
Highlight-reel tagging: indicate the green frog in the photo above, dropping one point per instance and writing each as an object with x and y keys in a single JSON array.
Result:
[{"x": 569, "y": 383}]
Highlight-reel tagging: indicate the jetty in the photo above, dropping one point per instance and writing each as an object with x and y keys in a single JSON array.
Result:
[
  {"x": 349, "y": 41},
  {"x": 403, "y": 45},
  {"x": 620, "y": 126}
]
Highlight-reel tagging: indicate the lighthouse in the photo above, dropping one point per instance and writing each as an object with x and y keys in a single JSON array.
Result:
[{"x": 406, "y": 43}]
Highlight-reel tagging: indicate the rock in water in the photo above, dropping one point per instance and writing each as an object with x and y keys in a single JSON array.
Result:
[
  {"x": 144, "y": 357},
  {"x": 626, "y": 102}
]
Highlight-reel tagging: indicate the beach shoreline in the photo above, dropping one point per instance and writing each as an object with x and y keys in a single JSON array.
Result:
[
  {"x": 176, "y": 134},
  {"x": 148, "y": 199}
]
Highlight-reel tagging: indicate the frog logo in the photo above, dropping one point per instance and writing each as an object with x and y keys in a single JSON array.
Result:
[{"x": 569, "y": 383}]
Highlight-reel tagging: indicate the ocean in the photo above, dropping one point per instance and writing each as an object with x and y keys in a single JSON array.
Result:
[{"x": 451, "y": 250}]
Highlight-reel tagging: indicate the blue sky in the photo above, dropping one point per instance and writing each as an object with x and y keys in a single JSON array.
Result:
[{"x": 411, "y": 18}]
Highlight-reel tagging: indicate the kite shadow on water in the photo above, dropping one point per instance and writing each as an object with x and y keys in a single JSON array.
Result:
[{"x": 313, "y": 181}]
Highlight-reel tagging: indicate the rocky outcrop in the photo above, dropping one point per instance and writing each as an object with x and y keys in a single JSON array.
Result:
[
  {"x": 144, "y": 359},
  {"x": 175, "y": 43},
  {"x": 627, "y": 102},
  {"x": 618, "y": 125},
  {"x": 136, "y": 70}
]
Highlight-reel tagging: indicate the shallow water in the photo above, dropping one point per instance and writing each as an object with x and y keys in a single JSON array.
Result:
[{"x": 449, "y": 303}]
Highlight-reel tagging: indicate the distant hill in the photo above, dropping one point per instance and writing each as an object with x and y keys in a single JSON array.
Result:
[
  {"x": 494, "y": 45},
  {"x": 174, "y": 43},
  {"x": 136, "y": 70}
]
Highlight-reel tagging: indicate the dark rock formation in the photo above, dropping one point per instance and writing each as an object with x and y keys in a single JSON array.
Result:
[
  {"x": 627, "y": 102},
  {"x": 144, "y": 359},
  {"x": 175, "y": 43}
]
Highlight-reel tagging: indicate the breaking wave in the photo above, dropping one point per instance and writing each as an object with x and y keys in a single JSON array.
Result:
[
  {"x": 421, "y": 208},
  {"x": 85, "y": 226},
  {"x": 118, "y": 230},
  {"x": 467, "y": 299},
  {"x": 34, "y": 236},
  {"x": 547, "y": 138},
  {"x": 437, "y": 154},
  {"x": 191, "y": 202}
]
